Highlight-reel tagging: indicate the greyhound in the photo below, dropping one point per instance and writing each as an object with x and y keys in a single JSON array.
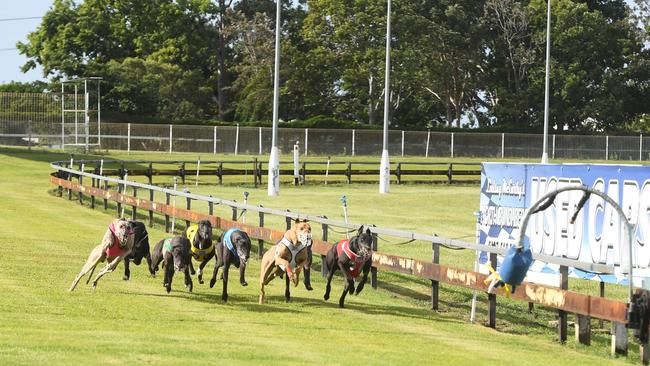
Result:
[
  {"x": 200, "y": 237},
  {"x": 175, "y": 255},
  {"x": 350, "y": 256},
  {"x": 140, "y": 249},
  {"x": 233, "y": 248},
  {"x": 288, "y": 255},
  {"x": 116, "y": 244}
]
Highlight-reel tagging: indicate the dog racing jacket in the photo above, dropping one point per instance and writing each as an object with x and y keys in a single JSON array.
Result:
[
  {"x": 343, "y": 246},
  {"x": 116, "y": 249},
  {"x": 293, "y": 249},
  {"x": 198, "y": 254}
]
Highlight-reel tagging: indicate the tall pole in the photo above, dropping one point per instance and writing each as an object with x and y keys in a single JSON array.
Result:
[
  {"x": 547, "y": 88},
  {"x": 384, "y": 169},
  {"x": 274, "y": 159}
]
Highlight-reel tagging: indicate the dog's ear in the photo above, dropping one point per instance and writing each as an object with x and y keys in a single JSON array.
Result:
[
  {"x": 360, "y": 231},
  {"x": 368, "y": 231}
]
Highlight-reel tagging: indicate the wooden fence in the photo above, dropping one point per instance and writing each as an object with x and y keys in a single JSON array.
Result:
[{"x": 584, "y": 306}]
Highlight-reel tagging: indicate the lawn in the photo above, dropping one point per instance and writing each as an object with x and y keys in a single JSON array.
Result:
[{"x": 46, "y": 239}]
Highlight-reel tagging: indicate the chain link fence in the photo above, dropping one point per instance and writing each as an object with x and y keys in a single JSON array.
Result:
[{"x": 33, "y": 118}]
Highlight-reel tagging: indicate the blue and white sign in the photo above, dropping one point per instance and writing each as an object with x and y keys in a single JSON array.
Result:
[{"x": 597, "y": 236}]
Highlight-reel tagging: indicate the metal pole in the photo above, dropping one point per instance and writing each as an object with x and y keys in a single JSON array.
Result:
[
  {"x": 128, "y": 138},
  {"x": 640, "y": 147},
  {"x": 214, "y": 140},
  {"x": 547, "y": 87},
  {"x": 426, "y": 154},
  {"x": 503, "y": 144},
  {"x": 402, "y": 143},
  {"x": 62, "y": 116},
  {"x": 237, "y": 139},
  {"x": 553, "y": 146},
  {"x": 274, "y": 158},
  {"x": 260, "y": 141},
  {"x": 76, "y": 116},
  {"x": 99, "y": 115},
  {"x": 384, "y": 169},
  {"x": 198, "y": 169},
  {"x": 174, "y": 204},
  {"x": 306, "y": 140},
  {"x": 353, "y": 138},
  {"x": 607, "y": 147},
  {"x": 170, "y": 138},
  {"x": 452, "y": 145},
  {"x": 86, "y": 113}
]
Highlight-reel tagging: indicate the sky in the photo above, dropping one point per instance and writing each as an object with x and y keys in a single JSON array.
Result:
[{"x": 17, "y": 30}]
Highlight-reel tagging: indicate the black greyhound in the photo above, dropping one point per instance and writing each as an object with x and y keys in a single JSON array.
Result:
[
  {"x": 175, "y": 255},
  {"x": 233, "y": 248},
  {"x": 350, "y": 256},
  {"x": 140, "y": 249},
  {"x": 200, "y": 237}
]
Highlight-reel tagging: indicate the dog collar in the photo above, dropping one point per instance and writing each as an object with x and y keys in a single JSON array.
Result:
[{"x": 227, "y": 239}]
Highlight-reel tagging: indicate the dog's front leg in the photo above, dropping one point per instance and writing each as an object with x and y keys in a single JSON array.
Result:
[
  {"x": 348, "y": 277},
  {"x": 366, "y": 270},
  {"x": 127, "y": 271},
  {"x": 94, "y": 258},
  {"x": 287, "y": 292},
  {"x": 205, "y": 261},
  {"x": 218, "y": 263},
  {"x": 192, "y": 271},
  {"x": 242, "y": 273},
  {"x": 109, "y": 268},
  {"x": 188, "y": 280},
  {"x": 149, "y": 263},
  {"x": 224, "y": 291},
  {"x": 169, "y": 275},
  {"x": 307, "y": 268}
]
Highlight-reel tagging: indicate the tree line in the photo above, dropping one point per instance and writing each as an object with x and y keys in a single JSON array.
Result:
[{"x": 474, "y": 62}]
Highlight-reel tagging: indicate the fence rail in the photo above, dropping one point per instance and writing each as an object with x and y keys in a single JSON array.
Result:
[{"x": 257, "y": 141}]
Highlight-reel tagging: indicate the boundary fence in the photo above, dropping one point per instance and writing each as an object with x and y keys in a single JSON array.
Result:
[
  {"x": 257, "y": 141},
  {"x": 584, "y": 306}
]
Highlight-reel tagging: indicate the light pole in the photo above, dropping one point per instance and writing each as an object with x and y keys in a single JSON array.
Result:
[
  {"x": 274, "y": 159},
  {"x": 384, "y": 169},
  {"x": 547, "y": 87}
]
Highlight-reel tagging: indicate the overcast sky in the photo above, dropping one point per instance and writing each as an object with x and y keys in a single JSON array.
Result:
[{"x": 12, "y": 31}]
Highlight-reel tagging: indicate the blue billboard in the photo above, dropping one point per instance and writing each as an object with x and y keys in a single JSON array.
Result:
[{"x": 596, "y": 236}]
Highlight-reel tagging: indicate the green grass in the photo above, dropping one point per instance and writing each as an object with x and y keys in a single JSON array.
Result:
[{"x": 46, "y": 239}]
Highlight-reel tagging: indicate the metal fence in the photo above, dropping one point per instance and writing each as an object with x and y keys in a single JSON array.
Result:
[{"x": 333, "y": 142}]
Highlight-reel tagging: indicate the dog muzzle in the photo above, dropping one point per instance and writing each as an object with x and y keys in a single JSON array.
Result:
[{"x": 305, "y": 239}]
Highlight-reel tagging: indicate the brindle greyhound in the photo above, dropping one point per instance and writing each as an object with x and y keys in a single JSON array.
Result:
[
  {"x": 116, "y": 244},
  {"x": 350, "y": 256},
  {"x": 175, "y": 255},
  {"x": 288, "y": 255},
  {"x": 200, "y": 237},
  {"x": 233, "y": 248},
  {"x": 140, "y": 249}
]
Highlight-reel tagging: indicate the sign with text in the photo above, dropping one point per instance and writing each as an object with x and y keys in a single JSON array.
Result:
[{"x": 597, "y": 236}]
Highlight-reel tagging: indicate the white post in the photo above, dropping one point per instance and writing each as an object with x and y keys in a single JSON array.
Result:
[
  {"x": 553, "y": 146},
  {"x": 99, "y": 115},
  {"x": 344, "y": 201},
  {"x": 548, "y": 83},
  {"x": 503, "y": 144},
  {"x": 306, "y": 140},
  {"x": 214, "y": 140},
  {"x": 243, "y": 218},
  {"x": 62, "y": 116},
  {"x": 384, "y": 170},
  {"x": 101, "y": 167},
  {"x": 426, "y": 153},
  {"x": 170, "y": 138},
  {"x": 472, "y": 316},
  {"x": 353, "y": 138},
  {"x": 86, "y": 112},
  {"x": 237, "y": 139},
  {"x": 402, "y": 143},
  {"x": 128, "y": 138},
  {"x": 296, "y": 163},
  {"x": 452, "y": 145},
  {"x": 126, "y": 178},
  {"x": 260, "y": 141},
  {"x": 274, "y": 158},
  {"x": 76, "y": 116},
  {"x": 198, "y": 168},
  {"x": 607, "y": 147},
  {"x": 640, "y": 147},
  {"x": 327, "y": 170}
]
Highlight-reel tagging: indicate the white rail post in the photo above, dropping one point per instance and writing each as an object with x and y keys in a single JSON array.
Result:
[
  {"x": 503, "y": 144},
  {"x": 402, "y": 143},
  {"x": 306, "y": 140},
  {"x": 237, "y": 139},
  {"x": 62, "y": 117},
  {"x": 553, "y": 154},
  {"x": 128, "y": 138},
  {"x": 353, "y": 138},
  {"x": 607, "y": 147},
  {"x": 214, "y": 140},
  {"x": 260, "y": 141},
  {"x": 296, "y": 163},
  {"x": 198, "y": 168},
  {"x": 426, "y": 153},
  {"x": 99, "y": 115},
  {"x": 641, "y": 147},
  {"x": 452, "y": 145},
  {"x": 170, "y": 137}
]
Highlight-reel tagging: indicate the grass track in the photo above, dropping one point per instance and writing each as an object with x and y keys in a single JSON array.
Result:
[{"x": 45, "y": 240}]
